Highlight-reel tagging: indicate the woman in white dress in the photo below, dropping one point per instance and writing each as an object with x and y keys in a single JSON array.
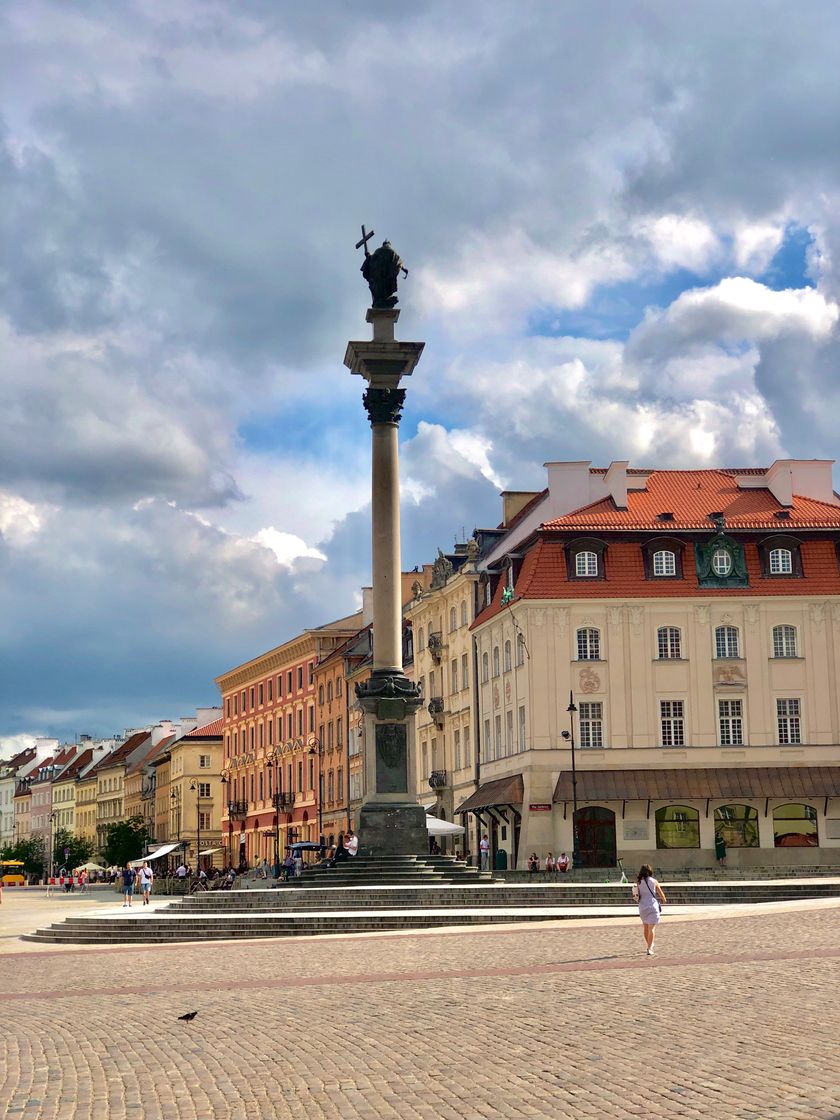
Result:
[{"x": 650, "y": 896}]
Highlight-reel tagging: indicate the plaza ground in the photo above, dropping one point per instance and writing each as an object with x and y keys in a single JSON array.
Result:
[{"x": 736, "y": 1017}]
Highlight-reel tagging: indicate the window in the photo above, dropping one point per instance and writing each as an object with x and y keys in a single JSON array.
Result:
[
  {"x": 591, "y": 724},
  {"x": 721, "y": 562},
  {"x": 509, "y": 730},
  {"x": 260, "y": 735},
  {"x": 300, "y": 776},
  {"x": 497, "y": 742},
  {"x": 664, "y": 563},
  {"x": 586, "y": 565},
  {"x": 331, "y": 786},
  {"x": 338, "y": 687},
  {"x": 588, "y": 644},
  {"x": 453, "y": 619},
  {"x": 788, "y": 721},
  {"x": 456, "y": 742},
  {"x": 251, "y": 735},
  {"x": 781, "y": 562},
  {"x": 668, "y": 644},
  {"x": 731, "y": 722},
  {"x": 270, "y": 729},
  {"x": 289, "y": 683},
  {"x": 496, "y": 669},
  {"x": 204, "y": 820},
  {"x": 507, "y": 657},
  {"x": 252, "y": 693},
  {"x": 320, "y": 694},
  {"x": 784, "y": 641},
  {"x": 522, "y": 727},
  {"x": 453, "y": 675},
  {"x": 466, "y": 742},
  {"x": 726, "y": 641},
  {"x": 520, "y": 649},
  {"x": 262, "y": 785},
  {"x": 487, "y": 745},
  {"x": 465, "y": 673},
  {"x": 485, "y": 667},
  {"x": 340, "y": 790},
  {"x": 421, "y": 639},
  {"x": 290, "y": 724},
  {"x": 311, "y": 672},
  {"x": 280, "y": 686},
  {"x": 339, "y": 733},
  {"x": 204, "y": 761},
  {"x": 464, "y": 613},
  {"x": 677, "y": 826},
  {"x": 300, "y": 678},
  {"x": 737, "y": 825},
  {"x": 672, "y": 723},
  {"x": 310, "y": 722},
  {"x": 269, "y": 685},
  {"x": 329, "y": 692},
  {"x": 260, "y": 695},
  {"x": 795, "y": 826}
]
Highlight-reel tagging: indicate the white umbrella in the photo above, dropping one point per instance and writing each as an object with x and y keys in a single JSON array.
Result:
[
  {"x": 436, "y": 827},
  {"x": 89, "y": 867}
]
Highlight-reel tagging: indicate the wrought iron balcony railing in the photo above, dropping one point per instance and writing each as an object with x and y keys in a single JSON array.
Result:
[
  {"x": 237, "y": 810},
  {"x": 283, "y": 800}
]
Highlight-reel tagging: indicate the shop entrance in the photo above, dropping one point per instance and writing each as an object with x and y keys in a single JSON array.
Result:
[{"x": 596, "y": 836}]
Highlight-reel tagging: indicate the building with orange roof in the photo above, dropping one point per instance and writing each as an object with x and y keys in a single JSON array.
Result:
[
  {"x": 195, "y": 791},
  {"x": 690, "y": 619}
]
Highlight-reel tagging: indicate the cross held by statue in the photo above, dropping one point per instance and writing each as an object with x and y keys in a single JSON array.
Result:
[{"x": 365, "y": 238}]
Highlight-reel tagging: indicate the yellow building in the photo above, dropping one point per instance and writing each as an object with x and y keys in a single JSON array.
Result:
[
  {"x": 196, "y": 794},
  {"x": 684, "y": 628},
  {"x": 110, "y": 785},
  {"x": 440, "y": 620}
]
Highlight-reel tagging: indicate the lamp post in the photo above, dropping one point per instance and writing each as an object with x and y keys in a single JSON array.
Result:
[
  {"x": 572, "y": 709},
  {"x": 224, "y": 782},
  {"x": 51, "y": 860},
  {"x": 196, "y": 789},
  {"x": 278, "y": 774},
  {"x": 316, "y": 748}
]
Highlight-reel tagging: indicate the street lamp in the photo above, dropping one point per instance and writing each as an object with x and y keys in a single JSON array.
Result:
[
  {"x": 570, "y": 735},
  {"x": 224, "y": 780},
  {"x": 51, "y": 861},
  {"x": 316, "y": 748},
  {"x": 278, "y": 775},
  {"x": 195, "y": 788}
]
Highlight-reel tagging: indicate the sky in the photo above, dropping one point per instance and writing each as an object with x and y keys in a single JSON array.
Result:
[{"x": 622, "y": 230}]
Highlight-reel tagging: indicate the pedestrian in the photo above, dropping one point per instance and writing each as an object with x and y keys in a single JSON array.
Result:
[
  {"x": 720, "y": 849},
  {"x": 146, "y": 877},
  {"x": 182, "y": 871},
  {"x": 562, "y": 864},
  {"x": 129, "y": 878},
  {"x": 351, "y": 842},
  {"x": 484, "y": 848},
  {"x": 549, "y": 865},
  {"x": 297, "y": 856},
  {"x": 340, "y": 853},
  {"x": 83, "y": 881},
  {"x": 288, "y": 865},
  {"x": 650, "y": 897},
  {"x": 533, "y": 864},
  {"x": 264, "y": 868}
]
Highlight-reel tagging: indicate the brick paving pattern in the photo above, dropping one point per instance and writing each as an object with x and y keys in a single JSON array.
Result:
[{"x": 735, "y": 1017}]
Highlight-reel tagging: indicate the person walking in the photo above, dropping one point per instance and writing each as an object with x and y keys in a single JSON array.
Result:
[
  {"x": 146, "y": 877},
  {"x": 650, "y": 897},
  {"x": 129, "y": 878}
]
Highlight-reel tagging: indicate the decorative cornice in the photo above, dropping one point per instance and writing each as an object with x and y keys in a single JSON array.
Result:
[{"x": 384, "y": 406}]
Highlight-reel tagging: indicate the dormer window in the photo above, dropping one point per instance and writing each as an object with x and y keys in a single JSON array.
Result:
[
  {"x": 664, "y": 563},
  {"x": 585, "y": 559},
  {"x": 663, "y": 558},
  {"x": 586, "y": 565},
  {"x": 721, "y": 562},
  {"x": 780, "y": 557}
]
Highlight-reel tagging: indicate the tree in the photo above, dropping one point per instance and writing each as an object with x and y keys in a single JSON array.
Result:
[
  {"x": 69, "y": 850},
  {"x": 125, "y": 840},
  {"x": 31, "y": 851}
]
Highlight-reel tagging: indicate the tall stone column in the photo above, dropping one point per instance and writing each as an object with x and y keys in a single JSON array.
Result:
[{"x": 390, "y": 821}]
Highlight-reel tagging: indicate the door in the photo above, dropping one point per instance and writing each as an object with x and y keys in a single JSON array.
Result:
[{"x": 596, "y": 836}]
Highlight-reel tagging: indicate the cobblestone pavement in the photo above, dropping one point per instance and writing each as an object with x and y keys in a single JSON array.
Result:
[{"x": 735, "y": 1017}]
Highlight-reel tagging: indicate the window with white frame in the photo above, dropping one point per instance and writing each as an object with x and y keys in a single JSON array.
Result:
[
  {"x": 522, "y": 727},
  {"x": 784, "y": 641},
  {"x": 520, "y": 649},
  {"x": 464, "y": 613},
  {"x": 672, "y": 722},
  {"x": 204, "y": 761},
  {"x": 591, "y": 722},
  {"x": 668, "y": 643},
  {"x": 721, "y": 562},
  {"x": 586, "y": 565},
  {"x": 731, "y": 722},
  {"x": 664, "y": 563},
  {"x": 726, "y": 641},
  {"x": 788, "y": 721},
  {"x": 496, "y": 665},
  {"x": 204, "y": 820},
  {"x": 453, "y": 619},
  {"x": 488, "y": 746},
  {"x": 497, "y": 741},
  {"x": 203, "y": 789},
  {"x": 465, "y": 674},
  {"x": 507, "y": 657},
  {"x": 456, "y": 742},
  {"x": 781, "y": 562},
  {"x": 588, "y": 644},
  {"x": 453, "y": 675},
  {"x": 485, "y": 667},
  {"x": 509, "y": 731},
  {"x": 465, "y": 739}
]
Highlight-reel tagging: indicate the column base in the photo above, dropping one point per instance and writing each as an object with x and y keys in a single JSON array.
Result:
[{"x": 393, "y": 829}]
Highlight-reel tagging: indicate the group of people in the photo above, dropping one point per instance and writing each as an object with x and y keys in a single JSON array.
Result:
[
  {"x": 552, "y": 866},
  {"x": 137, "y": 879}
]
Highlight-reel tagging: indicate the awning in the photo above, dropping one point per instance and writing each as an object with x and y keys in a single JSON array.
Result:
[
  {"x": 503, "y": 791},
  {"x": 164, "y": 850},
  {"x": 436, "y": 827},
  {"x": 210, "y": 851},
  {"x": 712, "y": 783}
]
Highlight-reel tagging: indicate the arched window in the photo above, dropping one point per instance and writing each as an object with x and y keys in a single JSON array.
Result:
[
  {"x": 668, "y": 643},
  {"x": 485, "y": 667},
  {"x": 795, "y": 826},
  {"x": 664, "y": 563},
  {"x": 329, "y": 691},
  {"x": 781, "y": 562},
  {"x": 464, "y": 613},
  {"x": 738, "y": 825},
  {"x": 586, "y": 565},
  {"x": 320, "y": 694},
  {"x": 496, "y": 669},
  {"x": 338, "y": 687},
  {"x": 453, "y": 619},
  {"x": 677, "y": 826},
  {"x": 721, "y": 562},
  {"x": 588, "y": 644},
  {"x": 507, "y": 657},
  {"x": 784, "y": 641},
  {"x": 726, "y": 641}
]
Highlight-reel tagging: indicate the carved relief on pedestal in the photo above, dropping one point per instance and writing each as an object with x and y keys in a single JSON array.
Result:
[
  {"x": 701, "y": 615},
  {"x": 636, "y": 614},
  {"x": 614, "y": 614},
  {"x": 817, "y": 612},
  {"x": 751, "y": 615},
  {"x": 561, "y": 618},
  {"x": 729, "y": 676},
  {"x": 537, "y": 617},
  {"x": 835, "y": 611},
  {"x": 589, "y": 681}
]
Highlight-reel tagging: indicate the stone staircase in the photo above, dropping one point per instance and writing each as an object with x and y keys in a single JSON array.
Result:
[{"x": 395, "y": 893}]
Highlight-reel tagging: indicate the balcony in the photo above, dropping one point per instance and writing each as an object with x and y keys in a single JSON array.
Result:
[
  {"x": 436, "y": 645},
  {"x": 435, "y": 710},
  {"x": 283, "y": 801},
  {"x": 237, "y": 810},
  {"x": 437, "y": 779}
]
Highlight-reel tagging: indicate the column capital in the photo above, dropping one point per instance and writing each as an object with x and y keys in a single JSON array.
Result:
[{"x": 383, "y": 406}]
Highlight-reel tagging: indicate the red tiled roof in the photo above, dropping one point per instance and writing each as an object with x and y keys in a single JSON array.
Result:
[
  {"x": 209, "y": 731},
  {"x": 120, "y": 754},
  {"x": 691, "y": 496}
]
